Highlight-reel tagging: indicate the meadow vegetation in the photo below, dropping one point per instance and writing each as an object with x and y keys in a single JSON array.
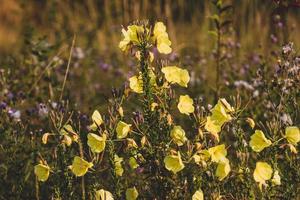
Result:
[{"x": 202, "y": 120}]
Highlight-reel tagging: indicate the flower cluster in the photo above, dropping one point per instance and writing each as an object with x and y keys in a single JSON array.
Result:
[{"x": 153, "y": 155}]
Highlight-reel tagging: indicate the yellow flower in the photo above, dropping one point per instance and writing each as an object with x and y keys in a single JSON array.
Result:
[
  {"x": 177, "y": 75},
  {"x": 133, "y": 163},
  {"x": 96, "y": 142},
  {"x": 118, "y": 165},
  {"x": 67, "y": 140},
  {"x": 174, "y": 163},
  {"x": 220, "y": 115},
  {"x": 136, "y": 84},
  {"x": 97, "y": 120},
  {"x": 218, "y": 153},
  {"x": 153, "y": 106},
  {"x": 198, "y": 195},
  {"x": 213, "y": 127},
  {"x": 80, "y": 166},
  {"x": 292, "y": 134},
  {"x": 263, "y": 172},
  {"x": 45, "y": 137},
  {"x": 66, "y": 129},
  {"x": 258, "y": 141},
  {"x": 103, "y": 195},
  {"x": 201, "y": 156},
  {"x": 276, "y": 180},
  {"x": 162, "y": 38},
  {"x": 185, "y": 104},
  {"x": 122, "y": 129},
  {"x": 223, "y": 169},
  {"x": 130, "y": 36},
  {"x": 159, "y": 28},
  {"x": 178, "y": 135},
  {"x": 132, "y": 194},
  {"x": 42, "y": 172},
  {"x": 292, "y": 148},
  {"x": 250, "y": 122}
]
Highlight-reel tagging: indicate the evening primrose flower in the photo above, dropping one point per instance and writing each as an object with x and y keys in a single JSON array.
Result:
[
  {"x": 97, "y": 120},
  {"x": 263, "y": 172},
  {"x": 130, "y": 36},
  {"x": 122, "y": 129},
  {"x": 178, "y": 135},
  {"x": 133, "y": 163},
  {"x": 132, "y": 194},
  {"x": 223, "y": 169},
  {"x": 218, "y": 153},
  {"x": 251, "y": 122},
  {"x": 162, "y": 38},
  {"x": 103, "y": 195},
  {"x": 177, "y": 75},
  {"x": 198, "y": 195},
  {"x": 276, "y": 180},
  {"x": 220, "y": 115},
  {"x": 174, "y": 163},
  {"x": 80, "y": 166},
  {"x": 258, "y": 141},
  {"x": 136, "y": 84},
  {"x": 292, "y": 134},
  {"x": 213, "y": 127},
  {"x": 42, "y": 172},
  {"x": 96, "y": 142},
  {"x": 185, "y": 105},
  {"x": 118, "y": 165}
]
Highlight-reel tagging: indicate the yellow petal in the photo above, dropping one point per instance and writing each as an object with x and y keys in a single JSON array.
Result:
[
  {"x": 103, "y": 195},
  {"x": 96, "y": 142},
  {"x": 67, "y": 140},
  {"x": 174, "y": 163},
  {"x": 177, "y": 75},
  {"x": 218, "y": 153},
  {"x": 42, "y": 172},
  {"x": 185, "y": 104},
  {"x": 250, "y": 122},
  {"x": 97, "y": 120},
  {"x": 159, "y": 28},
  {"x": 133, "y": 163},
  {"x": 80, "y": 166},
  {"x": 198, "y": 195},
  {"x": 292, "y": 134},
  {"x": 258, "y": 141},
  {"x": 45, "y": 138},
  {"x": 178, "y": 135},
  {"x": 118, "y": 165},
  {"x": 213, "y": 127},
  {"x": 276, "y": 180},
  {"x": 67, "y": 129},
  {"x": 292, "y": 148},
  {"x": 220, "y": 115},
  {"x": 122, "y": 129},
  {"x": 164, "y": 48},
  {"x": 132, "y": 194},
  {"x": 223, "y": 169},
  {"x": 263, "y": 172},
  {"x": 136, "y": 84}
]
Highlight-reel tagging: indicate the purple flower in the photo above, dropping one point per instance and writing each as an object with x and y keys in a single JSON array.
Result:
[{"x": 15, "y": 114}]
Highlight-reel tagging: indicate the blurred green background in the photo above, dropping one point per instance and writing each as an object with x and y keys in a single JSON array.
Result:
[{"x": 97, "y": 23}]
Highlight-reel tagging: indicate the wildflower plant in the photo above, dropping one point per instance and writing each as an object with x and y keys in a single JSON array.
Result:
[{"x": 170, "y": 145}]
